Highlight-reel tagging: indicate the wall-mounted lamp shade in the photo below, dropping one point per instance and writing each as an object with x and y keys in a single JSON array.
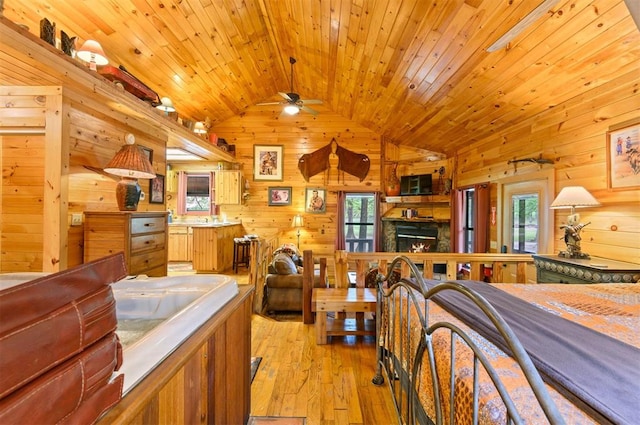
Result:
[
  {"x": 166, "y": 105},
  {"x": 131, "y": 164},
  {"x": 199, "y": 128},
  {"x": 291, "y": 109},
  {"x": 574, "y": 197},
  {"x": 91, "y": 51}
]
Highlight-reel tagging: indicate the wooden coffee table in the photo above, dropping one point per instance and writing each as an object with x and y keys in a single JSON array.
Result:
[{"x": 346, "y": 300}]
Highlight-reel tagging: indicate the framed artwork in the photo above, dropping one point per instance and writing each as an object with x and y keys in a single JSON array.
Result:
[
  {"x": 315, "y": 200},
  {"x": 267, "y": 162},
  {"x": 623, "y": 157},
  {"x": 156, "y": 190},
  {"x": 148, "y": 153},
  {"x": 280, "y": 195}
]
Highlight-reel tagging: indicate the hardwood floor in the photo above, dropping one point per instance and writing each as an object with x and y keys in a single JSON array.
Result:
[{"x": 328, "y": 384}]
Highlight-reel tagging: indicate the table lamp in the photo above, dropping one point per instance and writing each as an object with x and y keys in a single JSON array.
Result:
[
  {"x": 297, "y": 223},
  {"x": 573, "y": 197},
  {"x": 131, "y": 164},
  {"x": 91, "y": 52},
  {"x": 166, "y": 105}
]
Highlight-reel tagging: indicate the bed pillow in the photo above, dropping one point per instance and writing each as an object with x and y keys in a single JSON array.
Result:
[{"x": 283, "y": 264}]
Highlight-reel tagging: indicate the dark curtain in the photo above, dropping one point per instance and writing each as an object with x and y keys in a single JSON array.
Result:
[
  {"x": 340, "y": 245},
  {"x": 377, "y": 224},
  {"x": 457, "y": 219},
  {"x": 481, "y": 218},
  {"x": 481, "y": 201}
]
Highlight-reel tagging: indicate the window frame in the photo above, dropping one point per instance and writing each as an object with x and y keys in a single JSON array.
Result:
[{"x": 183, "y": 177}]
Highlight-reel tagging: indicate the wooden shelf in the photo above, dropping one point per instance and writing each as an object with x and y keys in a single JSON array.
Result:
[
  {"x": 342, "y": 327},
  {"x": 417, "y": 199}
]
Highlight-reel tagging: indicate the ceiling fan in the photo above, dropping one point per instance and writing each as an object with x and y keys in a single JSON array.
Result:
[{"x": 293, "y": 103}]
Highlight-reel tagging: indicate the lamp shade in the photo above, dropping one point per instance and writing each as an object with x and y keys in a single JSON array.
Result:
[
  {"x": 199, "y": 128},
  {"x": 297, "y": 221},
  {"x": 574, "y": 197},
  {"x": 91, "y": 51},
  {"x": 130, "y": 161},
  {"x": 166, "y": 105}
]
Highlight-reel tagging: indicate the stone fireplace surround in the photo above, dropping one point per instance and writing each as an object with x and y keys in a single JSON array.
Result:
[{"x": 389, "y": 225}]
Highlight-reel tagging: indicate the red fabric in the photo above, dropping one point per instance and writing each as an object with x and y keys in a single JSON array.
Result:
[{"x": 481, "y": 218}]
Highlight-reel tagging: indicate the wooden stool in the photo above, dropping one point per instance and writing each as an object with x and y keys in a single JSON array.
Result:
[
  {"x": 347, "y": 300},
  {"x": 240, "y": 253}
]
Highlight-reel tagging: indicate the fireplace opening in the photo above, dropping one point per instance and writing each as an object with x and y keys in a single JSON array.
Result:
[{"x": 416, "y": 238}]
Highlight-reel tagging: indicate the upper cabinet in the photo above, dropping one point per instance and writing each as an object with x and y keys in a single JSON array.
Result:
[{"x": 229, "y": 185}]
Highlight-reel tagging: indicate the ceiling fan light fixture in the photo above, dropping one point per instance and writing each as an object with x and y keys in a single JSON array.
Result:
[{"x": 291, "y": 109}]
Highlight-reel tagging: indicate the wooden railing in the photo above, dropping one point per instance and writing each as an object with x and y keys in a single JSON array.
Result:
[
  {"x": 474, "y": 264},
  {"x": 261, "y": 255}
]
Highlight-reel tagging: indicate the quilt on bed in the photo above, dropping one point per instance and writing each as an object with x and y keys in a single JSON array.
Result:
[{"x": 611, "y": 309}]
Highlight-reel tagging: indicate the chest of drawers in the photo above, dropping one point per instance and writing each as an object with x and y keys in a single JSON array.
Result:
[
  {"x": 142, "y": 236},
  {"x": 555, "y": 269}
]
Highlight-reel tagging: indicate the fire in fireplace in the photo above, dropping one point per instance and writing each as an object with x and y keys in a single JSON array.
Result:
[{"x": 416, "y": 238}]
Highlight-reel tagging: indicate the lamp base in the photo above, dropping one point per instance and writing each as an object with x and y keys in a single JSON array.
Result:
[{"x": 128, "y": 194}]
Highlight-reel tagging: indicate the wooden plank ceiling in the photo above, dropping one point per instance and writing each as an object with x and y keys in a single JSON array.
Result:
[{"x": 414, "y": 71}]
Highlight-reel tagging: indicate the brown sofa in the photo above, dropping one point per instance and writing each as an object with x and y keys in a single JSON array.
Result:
[{"x": 285, "y": 282}]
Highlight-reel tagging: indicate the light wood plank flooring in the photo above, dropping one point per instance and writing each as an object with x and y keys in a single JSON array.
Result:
[{"x": 327, "y": 384}]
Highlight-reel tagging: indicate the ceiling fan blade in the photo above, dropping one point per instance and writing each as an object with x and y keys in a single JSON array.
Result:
[
  {"x": 311, "y": 101},
  {"x": 309, "y": 110},
  {"x": 268, "y": 103},
  {"x": 285, "y": 95}
]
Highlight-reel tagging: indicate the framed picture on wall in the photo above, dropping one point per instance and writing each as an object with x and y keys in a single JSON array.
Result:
[
  {"x": 279, "y": 195},
  {"x": 623, "y": 156},
  {"x": 148, "y": 153},
  {"x": 156, "y": 190},
  {"x": 315, "y": 200},
  {"x": 267, "y": 162}
]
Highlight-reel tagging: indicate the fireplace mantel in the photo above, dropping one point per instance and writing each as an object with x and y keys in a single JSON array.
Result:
[{"x": 416, "y": 219}]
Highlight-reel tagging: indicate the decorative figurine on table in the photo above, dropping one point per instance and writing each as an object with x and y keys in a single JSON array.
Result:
[{"x": 572, "y": 239}]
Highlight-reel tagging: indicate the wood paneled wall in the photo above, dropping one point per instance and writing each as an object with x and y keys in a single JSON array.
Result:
[
  {"x": 36, "y": 217},
  {"x": 574, "y": 136},
  {"x": 297, "y": 135}
]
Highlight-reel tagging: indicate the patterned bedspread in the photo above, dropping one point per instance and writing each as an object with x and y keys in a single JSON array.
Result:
[{"x": 613, "y": 309}]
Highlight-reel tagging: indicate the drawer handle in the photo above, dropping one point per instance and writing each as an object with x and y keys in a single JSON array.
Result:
[{"x": 149, "y": 224}]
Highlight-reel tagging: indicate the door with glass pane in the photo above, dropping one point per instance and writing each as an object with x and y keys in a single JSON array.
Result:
[{"x": 526, "y": 221}]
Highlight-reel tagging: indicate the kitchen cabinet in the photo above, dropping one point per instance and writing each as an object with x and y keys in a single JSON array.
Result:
[
  {"x": 180, "y": 243},
  {"x": 556, "y": 269},
  {"x": 213, "y": 247},
  {"x": 142, "y": 236},
  {"x": 228, "y": 187}
]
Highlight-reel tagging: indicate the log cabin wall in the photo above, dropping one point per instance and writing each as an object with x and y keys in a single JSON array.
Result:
[
  {"x": 574, "y": 136},
  {"x": 69, "y": 154},
  {"x": 86, "y": 119},
  {"x": 298, "y": 135}
]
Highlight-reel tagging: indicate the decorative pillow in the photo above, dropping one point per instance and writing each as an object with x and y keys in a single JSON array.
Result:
[{"x": 283, "y": 264}]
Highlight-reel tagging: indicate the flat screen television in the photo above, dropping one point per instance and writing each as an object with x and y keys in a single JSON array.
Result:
[{"x": 415, "y": 185}]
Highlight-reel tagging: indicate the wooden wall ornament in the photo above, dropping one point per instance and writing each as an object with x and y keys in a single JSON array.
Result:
[
  {"x": 48, "y": 31},
  {"x": 67, "y": 44},
  {"x": 352, "y": 163}
]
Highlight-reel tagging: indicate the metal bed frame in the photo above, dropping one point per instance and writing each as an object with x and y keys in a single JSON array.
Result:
[{"x": 395, "y": 350}]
